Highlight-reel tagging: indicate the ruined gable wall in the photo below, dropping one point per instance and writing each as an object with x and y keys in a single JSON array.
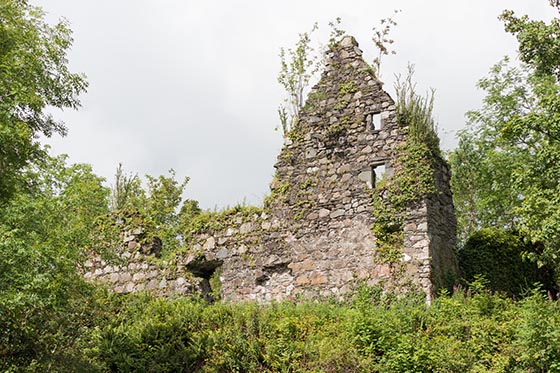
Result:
[{"x": 314, "y": 237}]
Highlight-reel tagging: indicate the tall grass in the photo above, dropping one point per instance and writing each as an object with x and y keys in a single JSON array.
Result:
[{"x": 416, "y": 111}]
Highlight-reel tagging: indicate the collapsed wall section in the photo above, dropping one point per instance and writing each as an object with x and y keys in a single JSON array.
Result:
[{"x": 134, "y": 267}]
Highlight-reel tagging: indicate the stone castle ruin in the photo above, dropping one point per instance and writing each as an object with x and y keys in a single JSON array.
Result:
[{"x": 314, "y": 237}]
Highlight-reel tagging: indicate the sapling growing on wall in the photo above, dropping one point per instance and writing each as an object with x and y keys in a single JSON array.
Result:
[
  {"x": 300, "y": 65},
  {"x": 382, "y": 41}
]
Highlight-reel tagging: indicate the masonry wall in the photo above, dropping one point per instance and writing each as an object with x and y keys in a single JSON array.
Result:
[
  {"x": 314, "y": 238},
  {"x": 442, "y": 225},
  {"x": 135, "y": 268}
]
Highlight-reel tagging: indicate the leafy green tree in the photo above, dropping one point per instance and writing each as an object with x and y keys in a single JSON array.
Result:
[
  {"x": 33, "y": 75},
  {"x": 539, "y": 130},
  {"x": 45, "y": 236},
  {"x": 515, "y": 180},
  {"x": 48, "y": 208},
  {"x": 484, "y": 166},
  {"x": 539, "y": 42}
]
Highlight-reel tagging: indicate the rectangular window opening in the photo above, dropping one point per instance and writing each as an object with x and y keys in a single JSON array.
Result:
[
  {"x": 377, "y": 174},
  {"x": 376, "y": 121}
]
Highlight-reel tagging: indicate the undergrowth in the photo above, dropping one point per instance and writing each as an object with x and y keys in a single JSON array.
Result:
[{"x": 462, "y": 332}]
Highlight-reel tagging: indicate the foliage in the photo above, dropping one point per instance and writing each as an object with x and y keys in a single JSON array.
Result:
[
  {"x": 112, "y": 228},
  {"x": 537, "y": 337},
  {"x": 160, "y": 211},
  {"x": 159, "y": 208},
  {"x": 416, "y": 111},
  {"x": 413, "y": 178},
  {"x": 159, "y": 335},
  {"x": 45, "y": 234},
  {"x": 33, "y": 76},
  {"x": 382, "y": 41},
  {"x": 374, "y": 332},
  {"x": 506, "y": 168},
  {"x": 298, "y": 66},
  {"x": 484, "y": 166},
  {"x": 209, "y": 221},
  {"x": 539, "y": 43},
  {"x": 162, "y": 207},
  {"x": 336, "y": 33},
  {"x": 499, "y": 256},
  {"x": 411, "y": 182},
  {"x": 127, "y": 191}
]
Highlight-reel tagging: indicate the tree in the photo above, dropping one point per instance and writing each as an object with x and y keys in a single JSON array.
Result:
[
  {"x": 45, "y": 236},
  {"x": 483, "y": 164},
  {"x": 516, "y": 181},
  {"x": 298, "y": 66},
  {"x": 127, "y": 192},
  {"x": 33, "y": 76},
  {"x": 539, "y": 43},
  {"x": 382, "y": 41}
]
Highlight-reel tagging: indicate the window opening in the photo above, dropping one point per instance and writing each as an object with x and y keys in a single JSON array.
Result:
[
  {"x": 375, "y": 174},
  {"x": 374, "y": 122},
  {"x": 378, "y": 174}
]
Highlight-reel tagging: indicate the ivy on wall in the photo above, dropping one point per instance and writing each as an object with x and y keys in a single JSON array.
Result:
[{"x": 413, "y": 164}]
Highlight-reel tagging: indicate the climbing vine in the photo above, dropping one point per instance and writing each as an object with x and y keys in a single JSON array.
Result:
[
  {"x": 412, "y": 181},
  {"x": 413, "y": 177}
]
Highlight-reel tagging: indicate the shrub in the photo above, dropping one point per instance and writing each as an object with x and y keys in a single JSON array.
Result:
[
  {"x": 497, "y": 255},
  {"x": 462, "y": 332}
]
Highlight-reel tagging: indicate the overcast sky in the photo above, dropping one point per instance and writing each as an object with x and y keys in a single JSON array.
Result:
[{"x": 191, "y": 85}]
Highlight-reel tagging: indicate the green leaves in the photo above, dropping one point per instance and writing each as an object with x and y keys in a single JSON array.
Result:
[
  {"x": 377, "y": 332},
  {"x": 159, "y": 207},
  {"x": 382, "y": 41},
  {"x": 297, "y": 67},
  {"x": 501, "y": 257},
  {"x": 539, "y": 43},
  {"x": 45, "y": 235},
  {"x": 33, "y": 76},
  {"x": 414, "y": 173},
  {"x": 506, "y": 169},
  {"x": 34, "y": 71}
]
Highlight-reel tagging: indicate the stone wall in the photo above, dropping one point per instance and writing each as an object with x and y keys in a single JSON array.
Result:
[
  {"x": 442, "y": 229},
  {"x": 135, "y": 268},
  {"x": 314, "y": 236}
]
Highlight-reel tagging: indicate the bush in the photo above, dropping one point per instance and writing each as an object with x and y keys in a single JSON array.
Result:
[
  {"x": 187, "y": 335},
  {"x": 462, "y": 332},
  {"x": 497, "y": 255},
  {"x": 537, "y": 338}
]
